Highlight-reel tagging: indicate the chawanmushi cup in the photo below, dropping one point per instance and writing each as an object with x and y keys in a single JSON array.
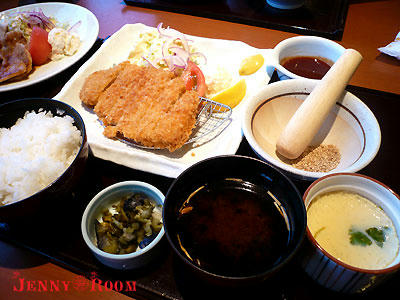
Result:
[{"x": 327, "y": 270}]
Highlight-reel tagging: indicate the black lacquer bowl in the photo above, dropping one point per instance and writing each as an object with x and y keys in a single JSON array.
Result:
[
  {"x": 55, "y": 195},
  {"x": 256, "y": 177}
]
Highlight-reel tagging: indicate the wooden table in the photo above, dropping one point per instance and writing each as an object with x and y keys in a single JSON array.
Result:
[{"x": 369, "y": 25}]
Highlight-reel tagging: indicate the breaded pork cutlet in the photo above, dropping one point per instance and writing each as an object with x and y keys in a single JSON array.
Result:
[
  {"x": 173, "y": 127},
  {"x": 149, "y": 106},
  {"x": 98, "y": 82},
  {"x": 132, "y": 94},
  {"x": 160, "y": 102}
]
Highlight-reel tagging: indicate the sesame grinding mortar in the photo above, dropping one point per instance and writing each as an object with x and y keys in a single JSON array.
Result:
[{"x": 350, "y": 126}]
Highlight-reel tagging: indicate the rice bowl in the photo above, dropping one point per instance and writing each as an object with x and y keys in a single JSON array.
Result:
[
  {"x": 59, "y": 192},
  {"x": 31, "y": 159}
]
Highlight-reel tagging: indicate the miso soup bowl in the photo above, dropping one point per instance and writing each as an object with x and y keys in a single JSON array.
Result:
[
  {"x": 242, "y": 169},
  {"x": 325, "y": 49},
  {"x": 327, "y": 270}
]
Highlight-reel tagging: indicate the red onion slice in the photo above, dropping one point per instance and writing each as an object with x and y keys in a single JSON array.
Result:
[
  {"x": 199, "y": 54},
  {"x": 174, "y": 56},
  {"x": 74, "y": 27},
  {"x": 181, "y": 53},
  {"x": 151, "y": 63},
  {"x": 37, "y": 18}
]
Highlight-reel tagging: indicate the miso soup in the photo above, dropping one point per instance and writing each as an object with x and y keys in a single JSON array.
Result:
[{"x": 233, "y": 228}]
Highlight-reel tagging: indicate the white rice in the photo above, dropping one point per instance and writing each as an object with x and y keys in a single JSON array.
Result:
[{"x": 34, "y": 152}]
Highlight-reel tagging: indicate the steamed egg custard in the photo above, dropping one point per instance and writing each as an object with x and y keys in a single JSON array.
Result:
[{"x": 353, "y": 229}]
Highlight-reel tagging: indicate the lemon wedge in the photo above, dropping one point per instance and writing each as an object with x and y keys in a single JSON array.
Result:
[{"x": 232, "y": 95}]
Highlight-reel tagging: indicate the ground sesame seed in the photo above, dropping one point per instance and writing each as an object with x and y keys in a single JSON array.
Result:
[{"x": 322, "y": 158}]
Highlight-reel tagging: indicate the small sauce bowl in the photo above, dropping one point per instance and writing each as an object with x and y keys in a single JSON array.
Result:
[{"x": 302, "y": 46}]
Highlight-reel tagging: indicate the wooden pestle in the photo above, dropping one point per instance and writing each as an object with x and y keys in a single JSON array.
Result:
[{"x": 309, "y": 117}]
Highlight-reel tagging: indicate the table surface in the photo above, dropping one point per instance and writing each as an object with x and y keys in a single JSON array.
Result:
[{"x": 369, "y": 25}]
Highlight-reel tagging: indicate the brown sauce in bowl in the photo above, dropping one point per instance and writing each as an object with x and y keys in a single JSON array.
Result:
[
  {"x": 307, "y": 66},
  {"x": 228, "y": 228}
]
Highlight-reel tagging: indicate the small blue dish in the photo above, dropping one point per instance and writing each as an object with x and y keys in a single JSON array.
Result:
[{"x": 105, "y": 199}]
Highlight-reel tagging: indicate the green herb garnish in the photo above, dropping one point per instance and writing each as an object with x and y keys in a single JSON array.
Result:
[
  {"x": 377, "y": 235},
  {"x": 318, "y": 231},
  {"x": 362, "y": 239},
  {"x": 359, "y": 238}
]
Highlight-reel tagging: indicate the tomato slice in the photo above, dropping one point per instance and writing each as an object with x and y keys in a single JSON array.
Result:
[
  {"x": 39, "y": 47},
  {"x": 194, "y": 79}
]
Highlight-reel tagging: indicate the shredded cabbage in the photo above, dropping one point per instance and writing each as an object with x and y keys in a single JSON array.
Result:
[
  {"x": 165, "y": 48},
  {"x": 26, "y": 20}
]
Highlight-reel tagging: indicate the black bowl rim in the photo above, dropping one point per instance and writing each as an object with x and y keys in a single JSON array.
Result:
[
  {"x": 238, "y": 278},
  {"x": 83, "y": 140}
]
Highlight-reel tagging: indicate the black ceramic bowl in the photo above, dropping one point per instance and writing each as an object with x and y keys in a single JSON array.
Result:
[
  {"x": 247, "y": 175},
  {"x": 52, "y": 195}
]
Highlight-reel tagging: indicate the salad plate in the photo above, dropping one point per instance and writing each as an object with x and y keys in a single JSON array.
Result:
[
  {"x": 225, "y": 140},
  {"x": 68, "y": 15}
]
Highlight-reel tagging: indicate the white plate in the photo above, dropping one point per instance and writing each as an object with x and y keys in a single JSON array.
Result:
[
  {"x": 115, "y": 50},
  {"x": 64, "y": 13}
]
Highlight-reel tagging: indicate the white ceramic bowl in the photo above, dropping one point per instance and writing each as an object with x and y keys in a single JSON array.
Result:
[
  {"x": 350, "y": 126},
  {"x": 326, "y": 269},
  {"x": 104, "y": 200},
  {"x": 302, "y": 46}
]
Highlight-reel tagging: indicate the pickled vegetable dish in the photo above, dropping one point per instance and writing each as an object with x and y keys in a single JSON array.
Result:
[{"x": 130, "y": 225}]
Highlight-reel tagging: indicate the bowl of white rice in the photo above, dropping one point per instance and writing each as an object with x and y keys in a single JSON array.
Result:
[{"x": 43, "y": 152}]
